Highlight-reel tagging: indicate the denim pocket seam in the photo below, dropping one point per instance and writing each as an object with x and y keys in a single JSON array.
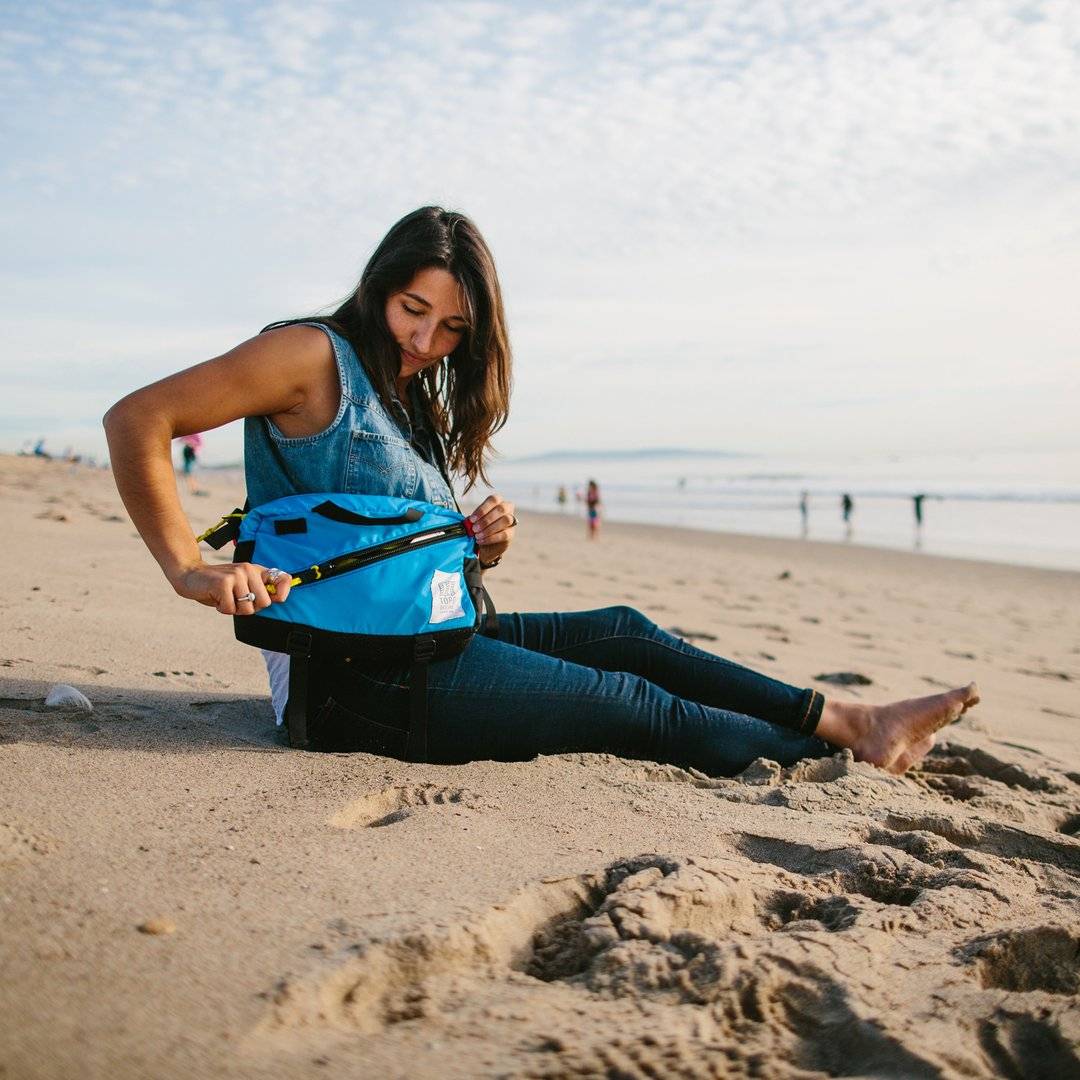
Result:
[
  {"x": 382, "y": 437},
  {"x": 333, "y": 703},
  {"x": 402, "y": 466}
]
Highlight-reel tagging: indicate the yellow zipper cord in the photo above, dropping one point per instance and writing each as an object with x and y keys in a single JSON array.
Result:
[{"x": 214, "y": 528}]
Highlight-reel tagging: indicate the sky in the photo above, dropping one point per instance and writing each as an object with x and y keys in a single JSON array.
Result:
[{"x": 820, "y": 226}]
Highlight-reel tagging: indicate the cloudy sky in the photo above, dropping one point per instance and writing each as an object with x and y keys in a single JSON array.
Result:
[{"x": 815, "y": 225}]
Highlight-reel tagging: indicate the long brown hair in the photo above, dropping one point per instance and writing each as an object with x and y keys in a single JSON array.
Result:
[{"x": 468, "y": 394}]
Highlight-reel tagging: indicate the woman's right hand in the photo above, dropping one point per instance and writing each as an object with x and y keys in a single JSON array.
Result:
[{"x": 225, "y": 586}]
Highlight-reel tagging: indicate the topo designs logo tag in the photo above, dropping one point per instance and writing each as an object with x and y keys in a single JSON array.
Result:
[{"x": 446, "y": 597}]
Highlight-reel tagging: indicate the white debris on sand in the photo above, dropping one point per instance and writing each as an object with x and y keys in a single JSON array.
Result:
[{"x": 62, "y": 696}]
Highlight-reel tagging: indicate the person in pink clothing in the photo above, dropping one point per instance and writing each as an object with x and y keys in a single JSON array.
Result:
[
  {"x": 592, "y": 508},
  {"x": 190, "y": 447}
]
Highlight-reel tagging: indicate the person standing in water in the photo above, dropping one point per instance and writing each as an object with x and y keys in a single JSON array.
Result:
[
  {"x": 847, "y": 506},
  {"x": 592, "y": 508},
  {"x": 804, "y": 512},
  {"x": 916, "y": 502}
]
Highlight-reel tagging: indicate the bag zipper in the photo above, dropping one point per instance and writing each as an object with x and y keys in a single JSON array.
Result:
[{"x": 354, "y": 560}]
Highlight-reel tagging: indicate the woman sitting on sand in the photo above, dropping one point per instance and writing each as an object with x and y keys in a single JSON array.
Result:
[{"x": 401, "y": 388}]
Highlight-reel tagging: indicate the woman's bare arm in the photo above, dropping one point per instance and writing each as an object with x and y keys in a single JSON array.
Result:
[{"x": 285, "y": 373}]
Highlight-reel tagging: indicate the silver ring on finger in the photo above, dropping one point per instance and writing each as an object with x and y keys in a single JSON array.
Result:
[
  {"x": 272, "y": 576},
  {"x": 250, "y": 596}
]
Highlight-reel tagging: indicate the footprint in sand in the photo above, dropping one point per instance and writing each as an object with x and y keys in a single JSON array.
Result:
[
  {"x": 1070, "y": 825},
  {"x": 994, "y": 838},
  {"x": 953, "y": 760},
  {"x": 1062, "y": 676},
  {"x": 844, "y": 678},
  {"x": 18, "y": 842},
  {"x": 1017, "y": 1043},
  {"x": 91, "y": 670},
  {"x": 1036, "y": 958},
  {"x": 845, "y": 870},
  {"x": 391, "y": 805},
  {"x": 1058, "y": 712},
  {"x": 783, "y": 952}
]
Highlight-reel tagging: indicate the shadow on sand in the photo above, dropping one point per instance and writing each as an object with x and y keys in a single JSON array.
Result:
[{"x": 127, "y": 719}]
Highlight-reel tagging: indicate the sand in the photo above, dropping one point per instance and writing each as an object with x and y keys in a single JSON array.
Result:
[{"x": 181, "y": 895}]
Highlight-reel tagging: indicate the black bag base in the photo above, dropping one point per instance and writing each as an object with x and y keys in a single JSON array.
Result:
[
  {"x": 303, "y": 643},
  {"x": 276, "y": 635}
]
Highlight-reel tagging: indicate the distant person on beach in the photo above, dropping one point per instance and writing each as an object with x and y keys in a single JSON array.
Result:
[
  {"x": 561, "y": 498},
  {"x": 847, "y": 507},
  {"x": 39, "y": 448},
  {"x": 804, "y": 512},
  {"x": 422, "y": 343},
  {"x": 917, "y": 504},
  {"x": 190, "y": 445},
  {"x": 592, "y": 509}
]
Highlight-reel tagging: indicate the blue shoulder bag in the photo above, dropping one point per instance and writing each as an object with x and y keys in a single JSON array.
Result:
[{"x": 375, "y": 579}]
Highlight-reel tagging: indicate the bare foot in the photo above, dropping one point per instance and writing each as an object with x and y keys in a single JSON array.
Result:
[
  {"x": 894, "y": 737},
  {"x": 913, "y": 755}
]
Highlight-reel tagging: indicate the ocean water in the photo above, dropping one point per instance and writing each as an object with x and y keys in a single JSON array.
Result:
[{"x": 1021, "y": 508}]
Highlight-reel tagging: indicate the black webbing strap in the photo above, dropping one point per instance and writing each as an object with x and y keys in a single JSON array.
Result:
[
  {"x": 298, "y": 646},
  {"x": 228, "y": 528},
  {"x": 344, "y": 516},
  {"x": 491, "y": 616},
  {"x": 416, "y": 749}
]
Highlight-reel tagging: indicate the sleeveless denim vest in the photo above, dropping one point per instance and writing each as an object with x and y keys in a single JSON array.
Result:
[{"x": 366, "y": 450}]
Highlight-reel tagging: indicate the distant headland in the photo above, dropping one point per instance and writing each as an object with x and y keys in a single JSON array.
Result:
[{"x": 627, "y": 455}]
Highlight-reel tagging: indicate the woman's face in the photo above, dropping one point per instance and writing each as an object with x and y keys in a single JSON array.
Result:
[{"x": 425, "y": 319}]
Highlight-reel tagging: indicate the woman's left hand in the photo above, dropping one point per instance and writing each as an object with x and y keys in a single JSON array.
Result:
[{"x": 493, "y": 527}]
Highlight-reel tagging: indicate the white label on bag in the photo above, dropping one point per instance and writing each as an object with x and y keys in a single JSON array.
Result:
[{"x": 446, "y": 597}]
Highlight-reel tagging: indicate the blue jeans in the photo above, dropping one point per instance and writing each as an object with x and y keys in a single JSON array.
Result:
[{"x": 606, "y": 681}]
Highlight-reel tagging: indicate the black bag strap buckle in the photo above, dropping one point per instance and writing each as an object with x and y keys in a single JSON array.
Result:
[
  {"x": 228, "y": 528},
  {"x": 424, "y": 649}
]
